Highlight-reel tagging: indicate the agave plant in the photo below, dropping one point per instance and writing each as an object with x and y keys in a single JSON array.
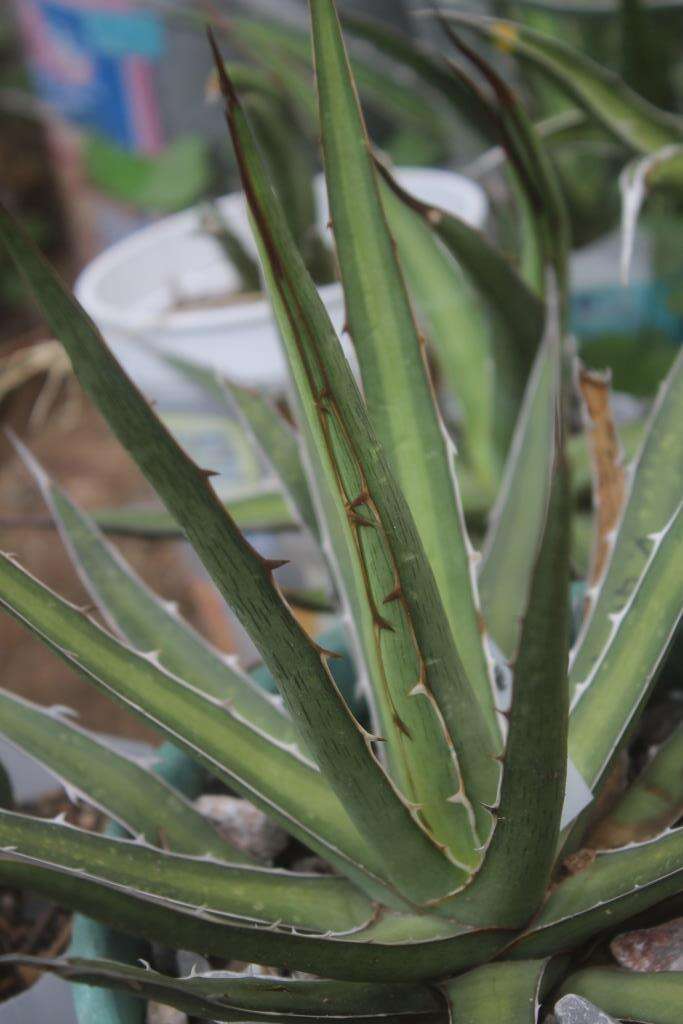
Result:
[{"x": 462, "y": 881}]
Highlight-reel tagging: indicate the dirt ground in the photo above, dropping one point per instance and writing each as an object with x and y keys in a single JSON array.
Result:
[{"x": 77, "y": 450}]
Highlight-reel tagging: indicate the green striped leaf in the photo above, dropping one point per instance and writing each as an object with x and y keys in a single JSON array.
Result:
[
  {"x": 340, "y": 747},
  {"x": 223, "y": 996},
  {"x": 261, "y": 509},
  {"x": 272, "y": 776},
  {"x": 403, "y": 411},
  {"x": 318, "y": 903},
  {"x": 651, "y": 804},
  {"x": 391, "y": 95},
  {"x": 518, "y": 312},
  {"x": 607, "y": 705},
  {"x": 653, "y": 496},
  {"x": 125, "y": 790},
  {"x": 625, "y": 114},
  {"x": 150, "y": 624},
  {"x": 371, "y": 531},
  {"x": 631, "y": 996},
  {"x": 615, "y": 887},
  {"x": 544, "y": 223},
  {"x": 517, "y": 868},
  {"x": 275, "y": 437},
  {"x": 457, "y": 328},
  {"x": 426, "y": 63},
  {"x": 507, "y": 993},
  {"x": 399, "y": 948},
  {"x": 516, "y": 520}
]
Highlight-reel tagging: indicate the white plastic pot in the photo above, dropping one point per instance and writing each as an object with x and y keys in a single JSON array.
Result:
[{"x": 129, "y": 291}]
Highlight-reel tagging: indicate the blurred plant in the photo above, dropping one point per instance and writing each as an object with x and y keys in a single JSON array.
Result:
[{"x": 460, "y": 889}]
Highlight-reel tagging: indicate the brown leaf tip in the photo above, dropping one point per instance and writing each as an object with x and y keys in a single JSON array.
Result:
[{"x": 226, "y": 86}]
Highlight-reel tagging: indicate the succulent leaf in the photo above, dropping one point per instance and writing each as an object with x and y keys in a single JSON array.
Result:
[
  {"x": 625, "y": 114},
  {"x": 244, "y": 579},
  {"x": 508, "y": 993},
  {"x": 651, "y": 804},
  {"x": 457, "y": 329},
  {"x": 275, "y": 778},
  {"x": 399, "y": 948},
  {"x": 318, "y": 903},
  {"x": 655, "y": 998},
  {"x": 517, "y": 516},
  {"x": 125, "y": 790},
  {"x": 370, "y": 515},
  {"x": 652, "y": 497},
  {"x": 400, "y": 399},
  {"x": 517, "y": 868},
  {"x": 223, "y": 996},
  {"x": 603, "y": 712},
  {"x": 132, "y": 610},
  {"x": 257, "y": 509},
  {"x": 613, "y": 887}
]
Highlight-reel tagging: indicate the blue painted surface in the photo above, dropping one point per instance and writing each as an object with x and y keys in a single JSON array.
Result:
[{"x": 79, "y": 59}]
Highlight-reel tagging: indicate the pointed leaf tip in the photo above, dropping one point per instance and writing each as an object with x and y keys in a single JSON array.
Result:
[{"x": 226, "y": 86}]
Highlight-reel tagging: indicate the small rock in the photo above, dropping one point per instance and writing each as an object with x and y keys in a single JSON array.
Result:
[
  {"x": 191, "y": 963},
  {"x": 651, "y": 949},
  {"x": 311, "y": 865},
  {"x": 576, "y": 1010},
  {"x": 159, "y": 1014},
  {"x": 244, "y": 825}
]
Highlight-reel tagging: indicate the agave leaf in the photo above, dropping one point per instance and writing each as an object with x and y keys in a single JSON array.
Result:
[
  {"x": 366, "y": 516},
  {"x": 606, "y": 706},
  {"x": 653, "y": 495},
  {"x": 367, "y": 511},
  {"x": 427, "y": 64},
  {"x": 402, "y": 408},
  {"x": 318, "y": 903},
  {"x": 625, "y": 114},
  {"x": 246, "y": 582},
  {"x": 565, "y": 126},
  {"x": 652, "y": 803},
  {"x": 663, "y": 168},
  {"x": 284, "y": 785},
  {"x": 289, "y": 162},
  {"x": 275, "y": 437},
  {"x": 94, "y": 939},
  {"x": 630, "y": 996},
  {"x": 516, "y": 871},
  {"x": 457, "y": 328},
  {"x": 406, "y": 949},
  {"x": 388, "y": 94},
  {"x": 518, "y": 311},
  {"x": 125, "y": 790},
  {"x": 516, "y": 520},
  {"x": 260, "y": 509},
  {"x": 133, "y": 611},
  {"x": 223, "y": 996},
  {"x": 507, "y": 993},
  {"x": 545, "y": 229},
  {"x": 406, "y": 642},
  {"x": 613, "y": 888},
  {"x": 278, "y": 441}
]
